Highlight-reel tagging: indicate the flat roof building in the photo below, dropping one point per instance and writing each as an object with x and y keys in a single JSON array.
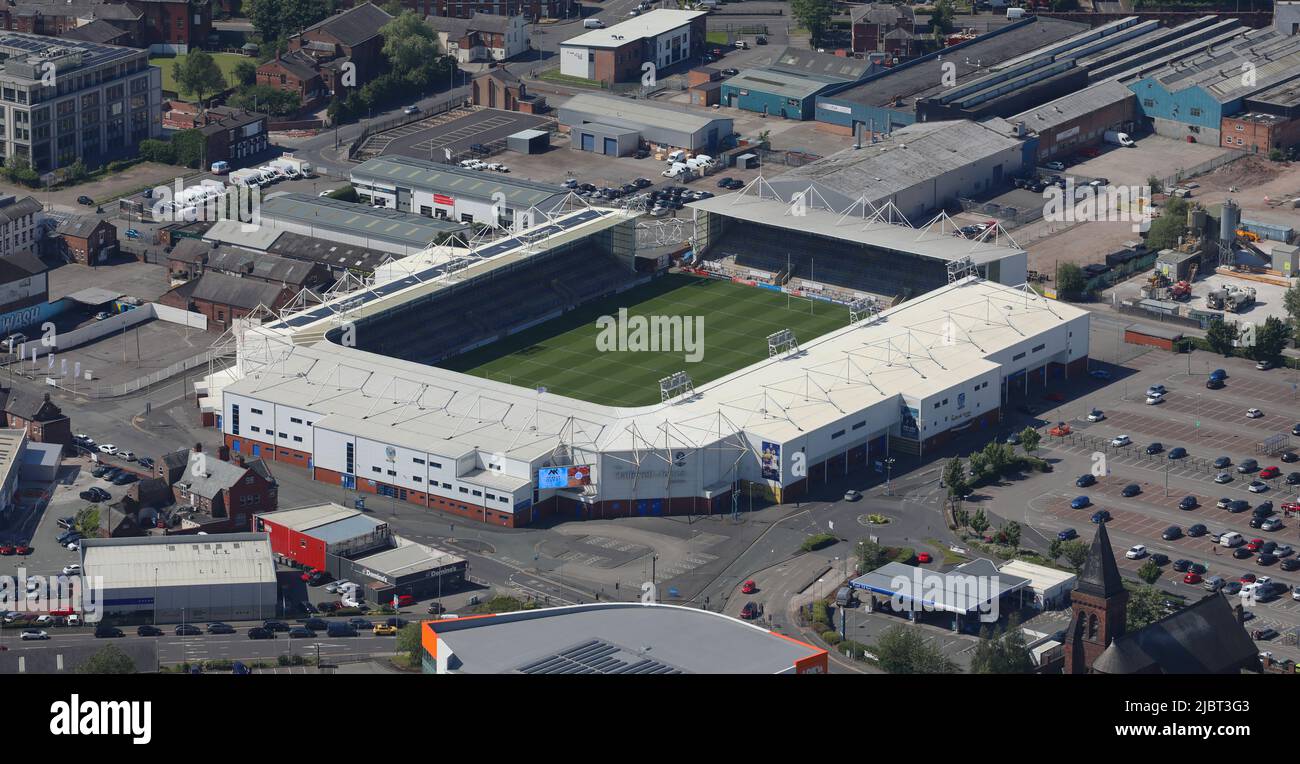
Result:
[
  {"x": 169, "y": 579},
  {"x": 449, "y": 192},
  {"x": 661, "y": 37},
  {"x": 13, "y": 444},
  {"x": 389, "y": 230},
  {"x": 593, "y": 119},
  {"x": 613, "y": 638}
]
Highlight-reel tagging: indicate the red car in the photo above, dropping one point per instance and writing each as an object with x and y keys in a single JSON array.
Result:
[
  {"x": 1270, "y": 472},
  {"x": 750, "y": 611},
  {"x": 6, "y": 549},
  {"x": 403, "y": 600},
  {"x": 1290, "y": 506},
  {"x": 20, "y": 549},
  {"x": 1255, "y": 544},
  {"x": 924, "y": 557},
  {"x": 1192, "y": 578},
  {"x": 1247, "y": 578},
  {"x": 749, "y": 587}
]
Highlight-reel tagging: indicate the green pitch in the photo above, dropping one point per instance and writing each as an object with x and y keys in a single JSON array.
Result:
[{"x": 562, "y": 355}]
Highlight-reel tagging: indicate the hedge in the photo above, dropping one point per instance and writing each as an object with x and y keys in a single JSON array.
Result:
[
  {"x": 831, "y": 637},
  {"x": 819, "y": 541}
]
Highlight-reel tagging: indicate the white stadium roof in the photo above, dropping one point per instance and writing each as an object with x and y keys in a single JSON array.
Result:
[{"x": 901, "y": 350}]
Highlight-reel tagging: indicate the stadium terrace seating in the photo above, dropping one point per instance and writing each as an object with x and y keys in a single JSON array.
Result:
[
  {"x": 829, "y": 261},
  {"x": 468, "y": 313}
]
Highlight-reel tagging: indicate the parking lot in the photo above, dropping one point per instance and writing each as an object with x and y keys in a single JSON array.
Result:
[
  {"x": 1154, "y": 155},
  {"x": 1209, "y": 424},
  {"x": 456, "y": 130}
]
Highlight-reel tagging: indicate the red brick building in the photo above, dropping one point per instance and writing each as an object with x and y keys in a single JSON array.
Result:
[
  {"x": 174, "y": 26},
  {"x": 44, "y": 421},
  {"x": 347, "y": 41},
  {"x": 501, "y": 89},
  {"x": 224, "y": 298},
  {"x": 229, "y": 493},
  {"x": 294, "y": 72},
  {"x": 87, "y": 240},
  {"x": 533, "y": 9},
  {"x": 872, "y": 25},
  {"x": 1259, "y": 133}
]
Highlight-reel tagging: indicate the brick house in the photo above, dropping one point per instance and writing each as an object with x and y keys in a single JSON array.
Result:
[
  {"x": 1259, "y": 133},
  {"x": 227, "y": 492},
  {"x": 872, "y": 23},
  {"x": 191, "y": 258},
  {"x": 224, "y": 298},
  {"x": 174, "y": 26},
  {"x": 233, "y": 135},
  {"x": 43, "y": 421},
  {"x": 500, "y": 89},
  {"x": 295, "y": 72},
  {"x": 351, "y": 37},
  {"x": 530, "y": 9},
  {"x": 87, "y": 240},
  {"x": 55, "y": 19},
  {"x": 482, "y": 37}
]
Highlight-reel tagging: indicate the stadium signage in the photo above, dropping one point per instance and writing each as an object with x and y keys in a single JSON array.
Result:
[
  {"x": 674, "y": 477},
  {"x": 564, "y": 477}
]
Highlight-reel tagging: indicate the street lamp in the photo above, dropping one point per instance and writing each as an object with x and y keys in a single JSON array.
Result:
[{"x": 889, "y": 475}]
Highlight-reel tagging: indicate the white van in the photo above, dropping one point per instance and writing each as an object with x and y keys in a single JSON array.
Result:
[
  {"x": 593, "y": 24},
  {"x": 1232, "y": 539},
  {"x": 1015, "y": 13},
  {"x": 677, "y": 156}
]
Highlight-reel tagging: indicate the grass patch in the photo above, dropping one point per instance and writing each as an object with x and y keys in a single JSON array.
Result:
[
  {"x": 819, "y": 541},
  {"x": 553, "y": 75},
  {"x": 717, "y": 38},
  {"x": 226, "y": 61},
  {"x": 561, "y": 354},
  {"x": 949, "y": 557}
]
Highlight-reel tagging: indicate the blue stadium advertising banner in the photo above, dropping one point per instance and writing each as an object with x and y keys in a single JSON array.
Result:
[{"x": 564, "y": 477}]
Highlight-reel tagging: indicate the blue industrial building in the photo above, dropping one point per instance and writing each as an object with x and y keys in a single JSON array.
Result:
[
  {"x": 789, "y": 86},
  {"x": 1190, "y": 95}
]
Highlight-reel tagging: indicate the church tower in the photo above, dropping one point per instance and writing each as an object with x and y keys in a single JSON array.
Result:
[{"x": 1097, "y": 607}]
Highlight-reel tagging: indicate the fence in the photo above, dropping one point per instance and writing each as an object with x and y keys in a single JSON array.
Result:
[
  {"x": 1187, "y": 463},
  {"x": 1120, "y": 272},
  {"x": 1206, "y": 166},
  {"x": 126, "y": 388},
  {"x": 1132, "y": 310},
  {"x": 373, "y": 127}
]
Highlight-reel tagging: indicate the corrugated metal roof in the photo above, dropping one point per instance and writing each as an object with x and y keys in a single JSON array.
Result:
[
  {"x": 346, "y": 529},
  {"x": 306, "y": 518},
  {"x": 1074, "y": 106},
  {"x": 434, "y": 177},
  {"x": 228, "y": 558},
  {"x": 781, "y": 84},
  {"x": 638, "y": 113},
  {"x": 408, "y": 558},
  {"x": 358, "y": 219}
]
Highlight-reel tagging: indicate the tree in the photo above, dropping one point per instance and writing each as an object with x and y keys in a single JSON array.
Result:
[
  {"x": 1145, "y": 606},
  {"x": 190, "y": 148},
  {"x": 979, "y": 523},
  {"x": 411, "y": 47},
  {"x": 1172, "y": 224},
  {"x": 979, "y": 465},
  {"x": 19, "y": 170},
  {"x": 1010, "y": 533},
  {"x": 86, "y": 522},
  {"x": 1054, "y": 549},
  {"x": 954, "y": 477},
  {"x": 266, "y": 99},
  {"x": 277, "y": 19},
  {"x": 1221, "y": 336},
  {"x": 1156, "y": 185},
  {"x": 199, "y": 74},
  {"x": 1149, "y": 572},
  {"x": 1030, "y": 439},
  {"x": 1075, "y": 553},
  {"x": 245, "y": 73},
  {"x": 1291, "y": 301},
  {"x": 152, "y": 150},
  {"x": 1070, "y": 280},
  {"x": 942, "y": 18},
  {"x": 1003, "y": 651},
  {"x": 408, "y": 641},
  {"x": 109, "y": 660},
  {"x": 813, "y": 15},
  {"x": 871, "y": 555},
  {"x": 1270, "y": 339},
  {"x": 902, "y": 650},
  {"x": 76, "y": 171}
]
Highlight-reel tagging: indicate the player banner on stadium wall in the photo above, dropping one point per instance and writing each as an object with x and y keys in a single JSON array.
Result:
[
  {"x": 564, "y": 477},
  {"x": 771, "y": 461}
]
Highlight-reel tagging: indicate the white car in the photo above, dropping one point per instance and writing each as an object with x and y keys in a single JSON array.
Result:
[
  {"x": 1096, "y": 415},
  {"x": 1257, "y": 487},
  {"x": 332, "y": 587},
  {"x": 1295, "y": 593},
  {"x": 33, "y": 585},
  {"x": 72, "y": 570},
  {"x": 1120, "y": 440},
  {"x": 107, "y": 448},
  {"x": 1156, "y": 390},
  {"x": 128, "y": 455},
  {"x": 349, "y": 602},
  {"x": 1254, "y": 413},
  {"x": 1264, "y": 581},
  {"x": 44, "y": 620},
  {"x": 34, "y": 634},
  {"x": 1136, "y": 552},
  {"x": 1154, "y": 399}
]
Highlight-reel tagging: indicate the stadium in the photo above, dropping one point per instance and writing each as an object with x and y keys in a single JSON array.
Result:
[{"x": 558, "y": 372}]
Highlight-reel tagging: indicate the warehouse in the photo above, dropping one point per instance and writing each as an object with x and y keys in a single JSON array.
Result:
[
  {"x": 307, "y": 537},
  {"x": 1050, "y": 587},
  {"x": 408, "y": 569},
  {"x": 617, "y": 126},
  {"x": 389, "y": 230},
  {"x": 1080, "y": 119},
  {"x": 661, "y": 37},
  {"x": 920, "y": 169},
  {"x": 452, "y": 193},
  {"x": 788, "y": 87},
  {"x": 175, "y": 579},
  {"x": 1189, "y": 96},
  {"x": 888, "y": 100},
  {"x": 613, "y": 638}
]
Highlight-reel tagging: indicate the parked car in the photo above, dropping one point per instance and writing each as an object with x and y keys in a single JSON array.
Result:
[
  {"x": 1119, "y": 440},
  {"x": 1096, "y": 415},
  {"x": 1177, "y": 453},
  {"x": 301, "y": 632},
  {"x": 148, "y": 631},
  {"x": 1131, "y": 490},
  {"x": 1080, "y": 502},
  {"x": 1067, "y": 534},
  {"x": 1085, "y": 480},
  {"x": 85, "y": 201},
  {"x": 187, "y": 630},
  {"x": 1222, "y": 462},
  {"x": 1101, "y": 516},
  {"x": 750, "y": 611},
  {"x": 1155, "y": 448},
  {"x": 1136, "y": 552},
  {"x": 1268, "y": 473},
  {"x": 1172, "y": 533},
  {"x": 1197, "y": 530},
  {"x": 1188, "y": 502},
  {"x": 108, "y": 632}
]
